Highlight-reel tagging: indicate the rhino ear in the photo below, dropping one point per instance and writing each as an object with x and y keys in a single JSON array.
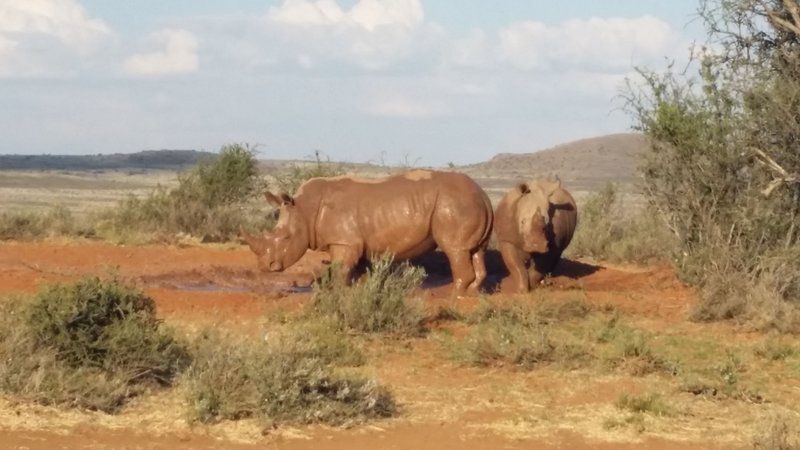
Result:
[
  {"x": 523, "y": 188},
  {"x": 286, "y": 199},
  {"x": 273, "y": 199}
]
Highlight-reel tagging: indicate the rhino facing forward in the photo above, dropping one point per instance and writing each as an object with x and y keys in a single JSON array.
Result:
[
  {"x": 534, "y": 224},
  {"x": 403, "y": 215}
]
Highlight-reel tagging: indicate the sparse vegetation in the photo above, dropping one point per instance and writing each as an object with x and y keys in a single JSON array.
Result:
[
  {"x": 381, "y": 301},
  {"x": 778, "y": 431},
  {"x": 290, "y": 180},
  {"x": 57, "y": 221},
  {"x": 610, "y": 231},
  {"x": 284, "y": 381},
  {"x": 91, "y": 344}
]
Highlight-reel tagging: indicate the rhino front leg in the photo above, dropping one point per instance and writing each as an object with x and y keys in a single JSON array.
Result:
[
  {"x": 347, "y": 256},
  {"x": 463, "y": 272},
  {"x": 515, "y": 260}
]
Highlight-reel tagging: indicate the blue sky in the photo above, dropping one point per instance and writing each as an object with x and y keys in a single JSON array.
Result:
[{"x": 432, "y": 81}]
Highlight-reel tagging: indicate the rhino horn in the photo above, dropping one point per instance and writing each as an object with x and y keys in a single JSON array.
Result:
[{"x": 256, "y": 244}]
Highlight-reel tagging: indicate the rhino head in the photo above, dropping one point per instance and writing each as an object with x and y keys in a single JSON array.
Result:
[
  {"x": 286, "y": 243},
  {"x": 534, "y": 214}
]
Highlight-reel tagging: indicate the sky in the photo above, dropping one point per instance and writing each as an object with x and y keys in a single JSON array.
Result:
[{"x": 424, "y": 82}]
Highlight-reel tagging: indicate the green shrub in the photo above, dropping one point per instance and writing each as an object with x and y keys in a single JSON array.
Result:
[
  {"x": 212, "y": 202},
  {"x": 380, "y": 301},
  {"x": 610, "y": 231},
  {"x": 90, "y": 344},
  {"x": 279, "y": 382}
]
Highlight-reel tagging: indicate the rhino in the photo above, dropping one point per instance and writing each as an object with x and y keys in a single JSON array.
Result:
[
  {"x": 404, "y": 215},
  {"x": 534, "y": 224}
]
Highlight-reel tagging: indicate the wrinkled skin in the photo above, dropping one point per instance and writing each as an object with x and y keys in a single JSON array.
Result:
[
  {"x": 404, "y": 215},
  {"x": 534, "y": 224}
]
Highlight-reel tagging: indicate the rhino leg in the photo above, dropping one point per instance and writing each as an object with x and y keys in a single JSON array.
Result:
[
  {"x": 347, "y": 256},
  {"x": 542, "y": 264},
  {"x": 463, "y": 271},
  {"x": 515, "y": 260},
  {"x": 479, "y": 266}
]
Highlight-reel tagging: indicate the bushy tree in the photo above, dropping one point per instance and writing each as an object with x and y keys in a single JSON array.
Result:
[{"x": 725, "y": 157}]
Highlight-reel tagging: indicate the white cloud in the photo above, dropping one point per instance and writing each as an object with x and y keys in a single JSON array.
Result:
[
  {"x": 607, "y": 44},
  {"x": 405, "y": 107},
  {"x": 178, "y": 56},
  {"x": 367, "y": 14},
  {"x": 371, "y": 34},
  {"x": 65, "y": 20}
]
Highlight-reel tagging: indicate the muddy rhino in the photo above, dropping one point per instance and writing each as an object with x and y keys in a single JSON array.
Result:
[
  {"x": 534, "y": 224},
  {"x": 404, "y": 215}
]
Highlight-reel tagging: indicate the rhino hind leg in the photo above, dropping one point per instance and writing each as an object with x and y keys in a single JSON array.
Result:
[
  {"x": 479, "y": 266},
  {"x": 462, "y": 268}
]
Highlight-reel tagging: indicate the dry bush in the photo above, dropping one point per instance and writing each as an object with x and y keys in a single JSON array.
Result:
[
  {"x": 91, "y": 344},
  {"x": 380, "y": 301},
  {"x": 610, "y": 231},
  {"x": 57, "y": 221},
  {"x": 282, "y": 380}
]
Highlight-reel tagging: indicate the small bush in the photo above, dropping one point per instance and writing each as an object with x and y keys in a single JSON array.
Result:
[
  {"x": 521, "y": 334},
  {"x": 279, "y": 382},
  {"x": 610, "y": 231},
  {"x": 632, "y": 351},
  {"x": 648, "y": 403},
  {"x": 379, "y": 302},
  {"x": 91, "y": 344}
]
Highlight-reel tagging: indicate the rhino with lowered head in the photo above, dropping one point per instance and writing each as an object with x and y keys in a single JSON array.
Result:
[
  {"x": 403, "y": 215},
  {"x": 534, "y": 224}
]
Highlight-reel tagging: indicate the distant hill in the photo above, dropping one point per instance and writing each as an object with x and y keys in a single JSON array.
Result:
[
  {"x": 145, "y": 160},
  {"x": 583, "y": 165}
]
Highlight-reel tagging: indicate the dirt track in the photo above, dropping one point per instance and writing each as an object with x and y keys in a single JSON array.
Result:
[{"x": 443, "y": 405}]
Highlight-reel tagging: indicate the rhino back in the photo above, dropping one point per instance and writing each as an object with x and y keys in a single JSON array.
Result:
[{"x": 392, "y": 214}]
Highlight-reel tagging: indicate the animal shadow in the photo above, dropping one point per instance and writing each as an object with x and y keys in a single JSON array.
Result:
[{"x": 437, "y": 267}]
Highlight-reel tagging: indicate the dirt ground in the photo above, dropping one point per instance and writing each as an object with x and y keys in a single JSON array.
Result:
[{"x": 444, "y": 405}]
